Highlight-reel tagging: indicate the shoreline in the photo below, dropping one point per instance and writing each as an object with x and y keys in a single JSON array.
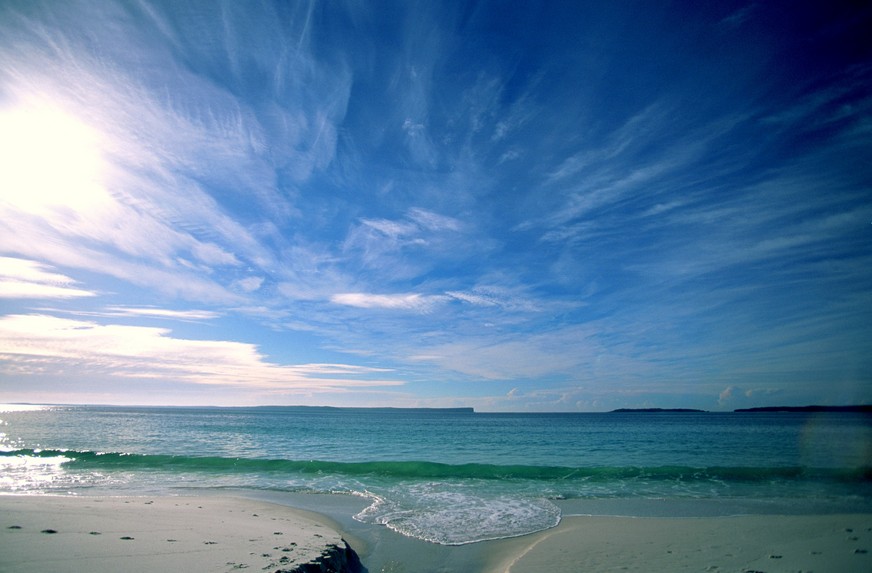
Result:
[
  {"x": 161, "y": 533},
  {"x": 836, "y": 543},
  {"x": 215, "y": 532}
]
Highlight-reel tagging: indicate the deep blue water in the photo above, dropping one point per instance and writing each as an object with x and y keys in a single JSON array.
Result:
[{"x": 444, "y": 476}]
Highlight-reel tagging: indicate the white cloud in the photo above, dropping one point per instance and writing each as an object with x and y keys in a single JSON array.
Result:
[
  {"x": 212, "y": 254},
  {"x": 434, "y": 221},
  {"x": 20, "y": 278},
  {"x": 415, "y": 302},
  {"x": 473, "y": 298},
  {"x": 161, "y": 313},
  {"x": 507, "y": 298},
  {"x": 74, "y": 220},
  {"x": 249, "y": 284},
  {"x": 406, "y": 247},
  {"x": 392, "y": 229},
  {"x": 116, "y": 159},
  {"x": 42, "y": 344}
]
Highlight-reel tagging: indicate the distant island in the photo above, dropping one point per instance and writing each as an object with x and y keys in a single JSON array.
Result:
[
  {"x": 370, "y": 409},
  {"x": 861, "y": 409},
  {"x": 855, "y": 409},
  {"x": 649, "y": 410}
]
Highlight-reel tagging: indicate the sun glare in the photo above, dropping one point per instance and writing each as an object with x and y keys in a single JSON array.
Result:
[{"x": 49, "y": 160}]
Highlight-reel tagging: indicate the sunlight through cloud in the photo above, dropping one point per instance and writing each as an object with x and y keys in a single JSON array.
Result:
[{"x": 49, "y": 160}]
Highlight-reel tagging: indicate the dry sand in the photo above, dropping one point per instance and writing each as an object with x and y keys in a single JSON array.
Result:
[
  {"x": 758, "y": 543},
  {"x": 163, "y": 534}
]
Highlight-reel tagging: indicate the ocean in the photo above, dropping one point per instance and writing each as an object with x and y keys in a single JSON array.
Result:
[{"x": 444, "y": 476}]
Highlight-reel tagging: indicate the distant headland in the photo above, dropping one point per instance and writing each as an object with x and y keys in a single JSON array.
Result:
[
  {"x": 651, "y": 410},
  {"x": 856, "y": 409},
  {"x": 370, "y": 409},
  {"x": 863, "y": 409}
]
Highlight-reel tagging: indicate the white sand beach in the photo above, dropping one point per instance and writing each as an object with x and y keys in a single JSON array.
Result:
[
  {"x": 758, "y": 543},
  {"x": 146, "y": 534},
  {"x": 167, "y": 534}
]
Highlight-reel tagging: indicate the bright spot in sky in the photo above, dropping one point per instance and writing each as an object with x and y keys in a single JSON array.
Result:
[{"x": 49, "y": 160}]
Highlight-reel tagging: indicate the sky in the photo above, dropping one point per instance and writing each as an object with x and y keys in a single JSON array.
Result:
[{"x": 514, "y": 206}]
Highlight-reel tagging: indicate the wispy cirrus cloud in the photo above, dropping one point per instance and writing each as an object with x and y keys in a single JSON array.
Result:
[
  {"x": 413, "y": 302},
  {"x": 22, "y": 278},
  {"x": 405, "y": 247},
  {"x": 153, "y": 312},
  {"x": 47, "y": 345},
  {"x": 160, "y": 143},
  {"x": 502, "y": 194}
]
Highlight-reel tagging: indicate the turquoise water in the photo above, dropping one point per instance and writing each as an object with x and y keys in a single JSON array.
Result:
[{"x": 448, "y": 477}]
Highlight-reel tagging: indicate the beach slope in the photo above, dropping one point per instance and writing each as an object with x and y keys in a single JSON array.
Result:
[
  {"x": 770, "y": 543},
  {"x": 167, "y": 534}
]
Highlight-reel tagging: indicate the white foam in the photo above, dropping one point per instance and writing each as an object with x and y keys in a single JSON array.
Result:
[{"x": 455, "y": 514}]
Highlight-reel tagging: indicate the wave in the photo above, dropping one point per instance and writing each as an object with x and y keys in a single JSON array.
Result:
[{"x": 85, "y": 460}]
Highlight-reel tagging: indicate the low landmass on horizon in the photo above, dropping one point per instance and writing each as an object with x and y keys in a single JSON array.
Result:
[{"x": 813, "y": 408}]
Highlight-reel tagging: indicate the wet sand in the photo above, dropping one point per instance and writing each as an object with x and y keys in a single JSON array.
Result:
[{"x": 755, "y": 543}]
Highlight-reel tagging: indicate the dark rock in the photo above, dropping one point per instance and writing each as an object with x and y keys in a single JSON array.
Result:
[{"x": 334, "y": 559}]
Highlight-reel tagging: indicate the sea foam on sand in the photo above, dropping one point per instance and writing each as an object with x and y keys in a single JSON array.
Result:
[{"x": 166, "y": 534}]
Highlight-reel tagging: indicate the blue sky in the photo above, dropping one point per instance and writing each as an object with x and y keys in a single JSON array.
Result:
[{"x": 513, "y": 206}]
